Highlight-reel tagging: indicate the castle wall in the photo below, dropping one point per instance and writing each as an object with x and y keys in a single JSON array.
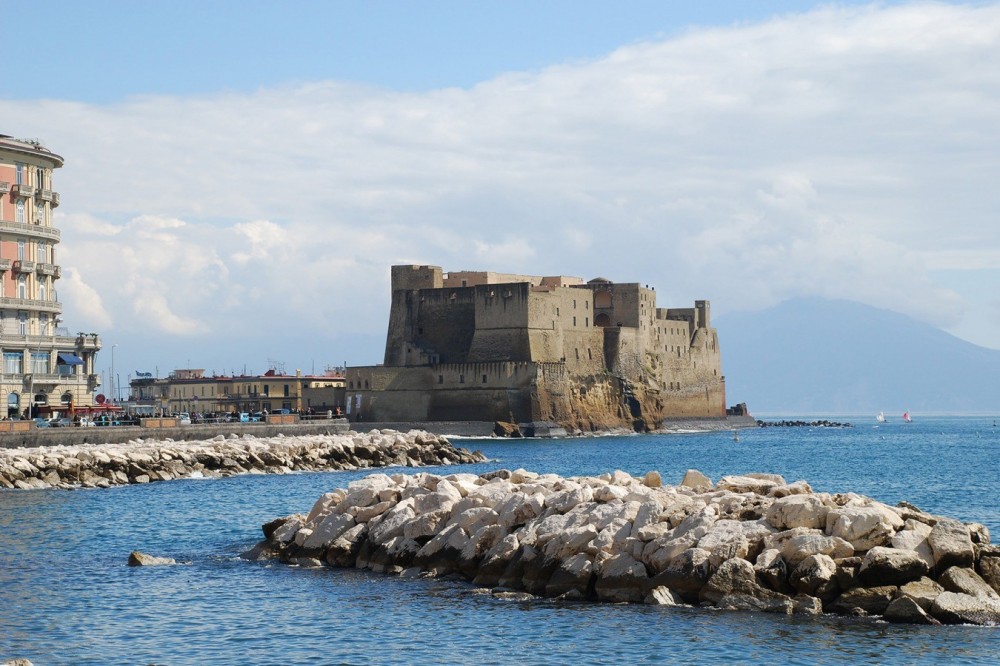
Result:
[
  {"x": 495, "y": 391},
  {"x": 501, "y": 323}
]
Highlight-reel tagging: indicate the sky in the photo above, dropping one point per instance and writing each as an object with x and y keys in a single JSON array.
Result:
[{"x": 240, "y": 176}]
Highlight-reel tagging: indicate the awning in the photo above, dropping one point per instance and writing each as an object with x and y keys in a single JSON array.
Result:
[{"x": 70, "y": 359}]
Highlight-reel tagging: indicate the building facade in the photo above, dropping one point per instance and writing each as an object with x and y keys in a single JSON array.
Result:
[
  {"x": 45, "y": 369},
  {"x": 189, "y": 390},
  {"x": 487, "y": 346}
]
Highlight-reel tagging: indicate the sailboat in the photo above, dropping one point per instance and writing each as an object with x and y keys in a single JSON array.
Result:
[
  {"x": 906, "y": 417},
  {"x": 881, "y": 417}
]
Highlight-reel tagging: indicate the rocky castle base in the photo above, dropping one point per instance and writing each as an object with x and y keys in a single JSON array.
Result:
[{"x": 749, "y": 542}]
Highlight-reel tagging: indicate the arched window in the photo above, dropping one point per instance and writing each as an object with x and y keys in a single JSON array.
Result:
[
  {"x": 22, "y": 286},
  {"x": 41, "y": 291},
  {"x": 41, "y": 399},
  {"x": 19, "y": 212},
  {"x": 602, "y": 299},
  {"x": 602, "y": 320},
  {"x": 66, "y": 399},
  {"x": 13, "y": 400}
]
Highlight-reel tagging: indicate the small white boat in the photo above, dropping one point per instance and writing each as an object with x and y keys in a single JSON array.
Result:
[{"x": 881, "y": 417}]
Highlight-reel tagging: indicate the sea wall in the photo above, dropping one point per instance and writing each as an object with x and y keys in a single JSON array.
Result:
[
  {"x": 142, "y": 461},
  {"x": 751, "y": 542}
]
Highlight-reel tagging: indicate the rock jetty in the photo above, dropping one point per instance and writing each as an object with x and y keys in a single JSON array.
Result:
[
  {"x": 142, "y": 461},
  {"x": 823, "y": 423},
  {"x": 749, "y": 542}
]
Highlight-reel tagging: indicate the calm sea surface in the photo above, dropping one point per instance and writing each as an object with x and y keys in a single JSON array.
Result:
[{"x": 67, "y": 596}]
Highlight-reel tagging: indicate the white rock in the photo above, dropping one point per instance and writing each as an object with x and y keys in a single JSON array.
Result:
[
  {"x": 863, "y": 527},
  {"x": 697, "y": 481},
  {"x": 798, "y": 511}
]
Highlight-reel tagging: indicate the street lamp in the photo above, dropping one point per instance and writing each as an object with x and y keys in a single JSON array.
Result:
[{"x": 112, "y": 378}]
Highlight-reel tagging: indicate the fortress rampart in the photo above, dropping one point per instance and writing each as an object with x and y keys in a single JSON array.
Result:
[{"x": 484, "y": 346}]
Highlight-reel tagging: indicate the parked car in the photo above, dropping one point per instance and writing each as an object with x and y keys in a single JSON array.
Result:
[
  {"x": 41, "y": 423},
  {"x": 60, "y": 422},
  {"x": 185, "y": 418},
  {"x": 86, "y": 422}
]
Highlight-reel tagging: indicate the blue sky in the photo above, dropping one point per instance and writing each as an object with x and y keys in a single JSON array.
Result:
[
  {"x": 240, "y": 175},
  {"x": 100, "y": 51}
]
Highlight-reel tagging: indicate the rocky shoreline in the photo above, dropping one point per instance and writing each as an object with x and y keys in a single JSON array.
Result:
[
  {"x": 143, "y": 461},
  {"x": 750, "y": 542}
]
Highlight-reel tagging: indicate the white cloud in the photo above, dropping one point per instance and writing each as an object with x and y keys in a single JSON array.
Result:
[{"x": 844, "y": 152}]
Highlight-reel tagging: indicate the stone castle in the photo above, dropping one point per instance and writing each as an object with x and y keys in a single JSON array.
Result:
[{"x": 483, "y": 346}]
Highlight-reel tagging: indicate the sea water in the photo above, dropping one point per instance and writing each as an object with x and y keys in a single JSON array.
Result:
[{"x": 68, "y": 597}]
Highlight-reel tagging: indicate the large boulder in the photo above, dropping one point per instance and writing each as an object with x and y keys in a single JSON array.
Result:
[
  {"x": 799, "y": 543},
  {"x": 864, "y": 527},
  {"x": 798, "y": 511},
  {"x": 815, "y": 576},
  {"x": 775, "y": 603},
  {"x": 686, "y": 574},
  {"x": 867, "y": 600},
  {"x": 622, "y": 578},
  {"x": 329, "y": 528},
  {"x": 957, "y": 608},
  {"x": 951, "y": 544},
  {"x": 967, "y": 581},
  {"x": 923, "y": 592},
  {"x": 904, "y": 610},
  {"x": 888, "y": 566},
  {"x": 759, "y": 484},
  {"x": 138, "y": 559},
  {"x": 989, "y": 566},
  {"x": 572, "y": 578},
  {"x": 772, "y": 570},
  {"x": 696, "y": 481},
  {"x": 735, "y": 577}
]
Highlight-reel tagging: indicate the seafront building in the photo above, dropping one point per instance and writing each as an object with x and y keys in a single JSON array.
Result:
[
  {"x": 190, "y": 390},
  {"x": 484, "y": 346},
  {"x": 44, "y": 367}
]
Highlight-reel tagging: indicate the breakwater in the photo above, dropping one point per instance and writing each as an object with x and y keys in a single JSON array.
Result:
[
  {"x": 142, "y": 461},
  {"x": 748, "y": 542}
]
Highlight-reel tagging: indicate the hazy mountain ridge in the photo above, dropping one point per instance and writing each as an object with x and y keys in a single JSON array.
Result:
[{"x": 816, "y": 356}]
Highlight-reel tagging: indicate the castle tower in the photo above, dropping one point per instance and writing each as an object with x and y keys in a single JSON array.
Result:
[{"x": 43, "y": 365}]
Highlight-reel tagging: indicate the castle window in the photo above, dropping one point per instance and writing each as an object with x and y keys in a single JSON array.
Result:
[
  {"x": 574, "y": 321},
  {"x": 350, "y": 385},
  {"x": 440, "y": 379},
  {"x": 557, "y": 312},
  {"x": 577, "y": 354},
  {"x": 574, "y": 304},
  {"x": 461, "y": 379},
  {"x": 366, "y": 383},
  {"x": 484, "y": 379},
  {"x": 465, "y": 283},
  {"x": 586, "y": 322},
  {"x": 589, "y": 357}
]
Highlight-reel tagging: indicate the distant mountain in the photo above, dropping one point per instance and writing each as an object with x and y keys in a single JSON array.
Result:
[{"x": 816, "y": 356}]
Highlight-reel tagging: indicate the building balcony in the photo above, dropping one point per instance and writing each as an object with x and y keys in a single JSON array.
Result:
[
  {"x": 36, "y": 342},
  {"x": 46, "y": 269},
  {"x": 4, "y": 187},
  {"x": 5, "y": 265},
  {"x": 31, "y": 304},
  {"x": 44, "y": 195},
  {"x": 23, "y": 266},
  {"x": 31, "y": 230},
  {"x": 24, "y": 191},
  {"x": 55, "y": 199}
]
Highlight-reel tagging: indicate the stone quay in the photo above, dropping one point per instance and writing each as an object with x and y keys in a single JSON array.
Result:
[
  {"x": 749, "y": 542},
  {"x": 142, "y": 461}
]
